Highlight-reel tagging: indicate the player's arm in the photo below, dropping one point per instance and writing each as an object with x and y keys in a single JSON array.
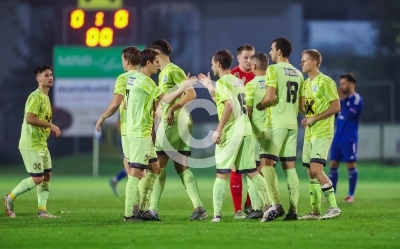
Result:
[
  {"x": 302, "y": 98},
  {"x": 272, "y": 84},
  {"x": 302, "y": 105},
  {"x": 118, "y": 124},
  {"x": 225, "y": 116},
  {"x": 334, "y": 107},
  {"x": 189, "y": 94},
  {"x": 330, "y": 92},
  {"x": 168, "y": 98},
  {"x": 206, "y": 81},
  {"x": 113, "y": 106},
  {"x": 119, "y": 94},
  {"x": 157, "y": 95},
  {"x": 32, "y": 118},
  {"x": 250, "y": 92},
  {"x": 268, "y": 99},
  {"x": 249, "y": 111}
]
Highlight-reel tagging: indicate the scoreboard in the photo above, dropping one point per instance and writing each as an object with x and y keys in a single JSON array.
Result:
[{"x": 99, "y": 28}]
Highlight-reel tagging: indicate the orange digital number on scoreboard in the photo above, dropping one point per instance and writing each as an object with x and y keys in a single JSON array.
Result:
[{"x": 99, "y": 27}]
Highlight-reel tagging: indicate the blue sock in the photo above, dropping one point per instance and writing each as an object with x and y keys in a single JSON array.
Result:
[
  {"x": 333, "y": 176},
  {"x": 121, "y": 175},
  {"x": 353, "y": 176}
]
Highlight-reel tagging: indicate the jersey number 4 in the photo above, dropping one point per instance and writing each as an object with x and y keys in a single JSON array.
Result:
[{"x": 291, "y": 94}]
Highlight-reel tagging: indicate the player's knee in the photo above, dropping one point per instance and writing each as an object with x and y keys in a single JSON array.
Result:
[
  {"x": 47, "y": 176},
  {"x": 38, "y": 179},
  {"x": 252, "y": 174},
  {"x": 179, "y": 167},
  {"x": 351, "y": 165},
  {"x": 334, "y": 164},
  {"x": 313, "y": 173},
  {"x": 136, "y": 173},
  {"x": 222, "y": 176},
  {"x": 154, "y": 168},
  {"x": 162, "y": 160}
]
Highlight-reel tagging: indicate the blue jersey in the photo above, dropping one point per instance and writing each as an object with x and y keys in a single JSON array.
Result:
[{"x": 348, "y": 118}]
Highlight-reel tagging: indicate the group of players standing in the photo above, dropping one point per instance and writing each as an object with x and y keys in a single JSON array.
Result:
[{"x": 257, "y": 127}]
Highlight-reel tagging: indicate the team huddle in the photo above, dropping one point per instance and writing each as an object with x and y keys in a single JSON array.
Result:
[{"x": 257, "y": 112}]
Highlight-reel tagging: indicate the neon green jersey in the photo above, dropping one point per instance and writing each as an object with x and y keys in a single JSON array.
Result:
[
  {"x": 120, "y": 88},
  {"x": 33, "y": 137},
  {"x": 231, "y": 88},
  {"x": 255, "y": 92},
  {"x": 169, "y": 78},
  {"x": 318, "y": 94},
  {"x": 288, "y": 82},
  {"x": 141, "y": 92}
]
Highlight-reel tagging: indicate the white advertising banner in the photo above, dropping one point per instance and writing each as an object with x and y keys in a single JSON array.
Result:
[
  {"x": 369, "y": 137},
  {"x": 79, "y": 102},
  {"x": 391, "y": 144}
]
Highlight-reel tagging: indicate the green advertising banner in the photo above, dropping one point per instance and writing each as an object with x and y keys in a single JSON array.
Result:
[{"x": 82, "y": 62}]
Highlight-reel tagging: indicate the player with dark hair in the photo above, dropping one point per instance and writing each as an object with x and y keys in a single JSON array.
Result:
[
  {"x": 320, "y": 106},
  {"x": 141, "y": 93},
  {"x": 130, "y": 57},
  {"x": 169, "y": 139},
  {"x": 279, "y": 139},
  {"x": 344, "y": 145},
  {"x": 35, "y": 130},
  {"x": 233, "y": 133}
]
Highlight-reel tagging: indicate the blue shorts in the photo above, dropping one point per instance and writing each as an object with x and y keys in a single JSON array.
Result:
[{"x": 344, "y": 151}]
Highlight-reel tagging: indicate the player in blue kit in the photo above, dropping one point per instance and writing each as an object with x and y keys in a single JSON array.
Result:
[{"x": 344, "y": 145}]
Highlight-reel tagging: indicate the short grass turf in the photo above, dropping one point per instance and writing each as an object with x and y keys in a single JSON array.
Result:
[{"x": 92, "y": 216}]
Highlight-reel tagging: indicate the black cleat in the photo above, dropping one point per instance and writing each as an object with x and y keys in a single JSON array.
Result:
[
  {"x": 291, "y": 216},
  {"x": 133, "y": 218},
  {"x": 201, "y": 215},
  {"x": 148, "y": 216},
  {"x": 255, "y": 214},
  {"x": 280, "y": 212}
]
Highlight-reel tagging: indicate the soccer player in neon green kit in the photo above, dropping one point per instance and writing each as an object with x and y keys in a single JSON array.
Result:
[
  {"x": 320, "y": 105},
  {"x": 141, "y": 92},
  {"x": 279, "y": 140},
  {"x": 233, "y": 133},
  {"x": 171, "y": 140},
  {"x": 130, "y": 57},
  {"x": 255, "y": 92},
  {"x": 35, "y": 130}
]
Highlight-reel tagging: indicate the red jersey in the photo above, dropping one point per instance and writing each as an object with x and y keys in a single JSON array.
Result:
[{"x": 249, "y": 75}]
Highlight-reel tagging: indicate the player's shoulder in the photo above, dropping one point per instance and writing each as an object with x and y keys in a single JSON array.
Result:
[
  {"x": 235, "y": 70},
  {"x": 229, "y": 80},
  {"x": 272, "y": 67},
  {"x": 123, "y": 75},
  {"x": 222, "y": 81},
  {"x": 37, "y": 94},
  {"x": 257, "y": 81},
  {"x": 171, "y": 67},
  {"x": 142, "y": 77},
  {"x": 326, "y": 78},
  {"x": 357, "y": 99},
  {"x": 252, "y": 83}
]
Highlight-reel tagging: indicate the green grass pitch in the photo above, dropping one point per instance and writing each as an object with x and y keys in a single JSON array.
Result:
[{"x": 92, "y": 215}]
